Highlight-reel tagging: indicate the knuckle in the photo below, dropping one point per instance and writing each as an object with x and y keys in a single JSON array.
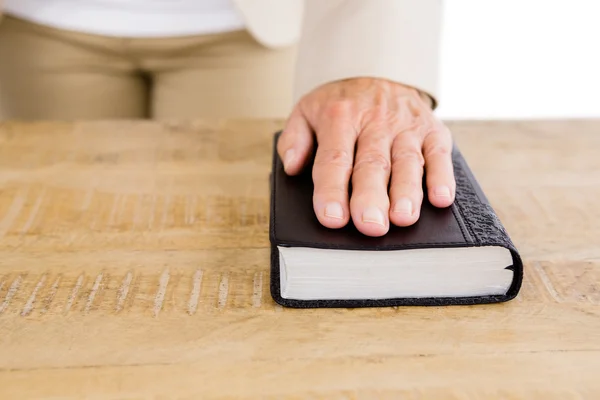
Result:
[
  {"x": 373, "y": 139},
  {"x": 438, "y": 150},
  {"x": 378, "y": 113},
  {"x": 331, "y": 191},
  {"x": 334, "y": 157},
  {"x": 372, "y": 159},
  {"x": 338, "y": 109},
  {"x": 407, "y": 185},
  {"x": 382, "y": 119},
  {"x": 408, "y": 155},
  {"x": 431, "y": 129},
  {"x": 437, "y": 128}
]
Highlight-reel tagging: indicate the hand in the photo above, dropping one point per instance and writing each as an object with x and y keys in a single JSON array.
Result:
[{"x": 375, "y": 132}]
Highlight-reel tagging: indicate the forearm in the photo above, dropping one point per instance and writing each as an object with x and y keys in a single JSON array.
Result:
[{"x": 397, "y": 40}]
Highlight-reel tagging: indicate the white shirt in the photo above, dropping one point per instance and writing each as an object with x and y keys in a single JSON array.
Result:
[{"x": 131, "y": 18}]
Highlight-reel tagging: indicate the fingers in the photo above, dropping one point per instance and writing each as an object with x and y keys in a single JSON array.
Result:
[
  {"x": 331, "y": 171},
  {"x": 295, "y": 143},
  {"x": 437, "y": 150},
  {"x": 381, "y": 157},
  {"x": 406, "y": 193},
  {"x": 370, "y": 203}
]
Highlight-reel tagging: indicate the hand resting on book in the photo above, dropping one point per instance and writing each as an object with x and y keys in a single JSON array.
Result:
[{"x": 382, "y": 136}]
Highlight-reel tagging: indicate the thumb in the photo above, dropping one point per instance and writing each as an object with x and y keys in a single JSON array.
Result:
[{"x": 295, "y": 143}]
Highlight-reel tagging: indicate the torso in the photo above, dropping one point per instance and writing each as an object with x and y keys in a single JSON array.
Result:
[{"x": 131, "y": 18}]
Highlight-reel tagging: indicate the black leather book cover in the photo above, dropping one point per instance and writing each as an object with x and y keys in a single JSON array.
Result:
[{"x": 470, "y": 221}]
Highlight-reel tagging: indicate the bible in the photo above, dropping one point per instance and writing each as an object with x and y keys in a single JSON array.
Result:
[{"x": 458, "y": 255}]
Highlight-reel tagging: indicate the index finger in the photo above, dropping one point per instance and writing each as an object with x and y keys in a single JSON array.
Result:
[{"x": 332, "y": 170}]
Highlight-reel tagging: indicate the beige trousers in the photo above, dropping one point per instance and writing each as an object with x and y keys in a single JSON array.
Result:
[{"x": 47, "y": 73}]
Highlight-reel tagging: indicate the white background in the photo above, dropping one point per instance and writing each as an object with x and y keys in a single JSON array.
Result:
[{"x": 520, "y": 59}]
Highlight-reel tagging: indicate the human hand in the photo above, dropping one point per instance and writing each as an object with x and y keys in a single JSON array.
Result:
[{"x": 378, "y": 133}]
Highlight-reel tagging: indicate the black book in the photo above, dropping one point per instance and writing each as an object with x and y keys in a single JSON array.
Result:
[{"x": 452, "y": 256}]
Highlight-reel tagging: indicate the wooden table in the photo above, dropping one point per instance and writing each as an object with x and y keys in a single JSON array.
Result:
[{"x": 134, "y": 264}]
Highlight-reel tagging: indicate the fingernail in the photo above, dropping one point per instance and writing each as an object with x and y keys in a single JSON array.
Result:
[
  {"x": 442, "y": 191},
  {"x": 373, "y": 215},
  {"x": 288, "y": 158},
  {"x": 403, "y": 206},
  {"x": 334, "y": 210}
]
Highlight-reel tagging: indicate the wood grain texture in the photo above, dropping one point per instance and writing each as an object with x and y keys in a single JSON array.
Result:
[{"x": 134, "y": 263}]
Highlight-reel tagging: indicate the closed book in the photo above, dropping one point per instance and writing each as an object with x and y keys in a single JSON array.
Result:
[{"x": 459, "y": 255}]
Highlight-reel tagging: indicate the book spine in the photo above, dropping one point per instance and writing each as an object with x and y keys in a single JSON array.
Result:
[{"x": 479, "y": 217}]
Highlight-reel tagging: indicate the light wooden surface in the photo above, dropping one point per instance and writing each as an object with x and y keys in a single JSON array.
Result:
[{"x": 134, "y": 264}]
